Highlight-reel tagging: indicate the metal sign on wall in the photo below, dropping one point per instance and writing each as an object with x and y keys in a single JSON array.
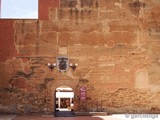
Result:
[{"x": 62, "y": 63}]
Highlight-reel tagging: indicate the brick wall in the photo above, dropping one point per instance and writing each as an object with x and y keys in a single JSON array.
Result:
[{"x": 115, "y": 43}]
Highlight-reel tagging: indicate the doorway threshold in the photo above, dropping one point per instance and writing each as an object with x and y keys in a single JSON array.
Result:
[{"x": 64, "y": 114}]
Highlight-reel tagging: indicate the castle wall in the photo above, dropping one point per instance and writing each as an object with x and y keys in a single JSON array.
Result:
[{"x": 115, "y": 43}]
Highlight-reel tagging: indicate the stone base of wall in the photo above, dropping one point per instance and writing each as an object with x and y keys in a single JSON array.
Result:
[
  {"x": 120, "y": 101},
  {"x": 20, "y": 102}
]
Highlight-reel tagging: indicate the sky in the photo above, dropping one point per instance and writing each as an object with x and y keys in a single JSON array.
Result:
[{"x": 19, "y": 9}]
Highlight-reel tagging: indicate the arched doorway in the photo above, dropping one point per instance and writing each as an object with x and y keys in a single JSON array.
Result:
[{"x": 64, "y": 101}]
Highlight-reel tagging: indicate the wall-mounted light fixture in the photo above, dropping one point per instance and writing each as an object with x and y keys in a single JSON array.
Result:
[
  {"x": 73, "y": 66},
  {"x": 62, "y": 63},
  {"x": 51, "y": 66}
]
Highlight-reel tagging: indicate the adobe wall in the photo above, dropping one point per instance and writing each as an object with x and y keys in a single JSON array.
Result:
[{"x": 115, "y": 43}]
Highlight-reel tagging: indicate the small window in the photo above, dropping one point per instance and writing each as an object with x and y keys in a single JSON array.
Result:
[{"x": 19, "y": 9}]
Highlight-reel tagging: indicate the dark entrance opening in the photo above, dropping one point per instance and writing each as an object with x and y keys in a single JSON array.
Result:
[{"x": 64, "y": 102}]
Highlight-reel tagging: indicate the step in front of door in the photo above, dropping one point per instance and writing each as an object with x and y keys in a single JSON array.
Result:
[{"x": 64, "y": 114}]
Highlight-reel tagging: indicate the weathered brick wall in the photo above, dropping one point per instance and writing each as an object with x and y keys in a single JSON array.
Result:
[{"x": 115, "y": 43}]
